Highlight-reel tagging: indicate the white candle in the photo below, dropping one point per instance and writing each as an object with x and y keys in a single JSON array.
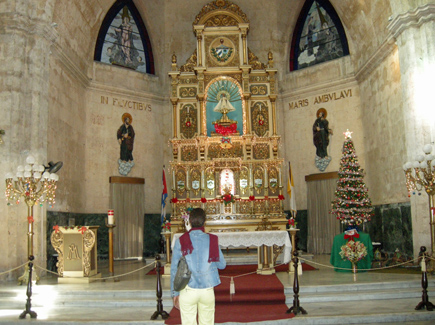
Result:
[{"x": 110, "y": 217}]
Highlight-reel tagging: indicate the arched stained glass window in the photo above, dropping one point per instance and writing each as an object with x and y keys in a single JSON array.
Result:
[
  {"x": 123, "y": 39},
  {"x": 318, "y": 37}
]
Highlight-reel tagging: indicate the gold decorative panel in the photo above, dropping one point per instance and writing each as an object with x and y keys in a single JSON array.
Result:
[
  {"x": 260, "y": 118},
  {"x": 243, "y": 207},
  {"x": 275, "y": 206},
  {"x": 258, "y": 79},
  {"x": 261, "y": 151},
  {"x": 258, "y": 179},
  {"x": 215, "y": 150},
  {"x": 188, "y": 81},
  {"x": 222, "y": 50},
  {"x": 180, "y": 181},
  {"x": 244, "y": 181},
  {"x": 186, "y": 92},
  {"x": 189, "y": 121},
  {"x": 189, "y": 153},
  {"x": 259, "y": 207},
  {"x": 210, "y": 182},
  {"x": 258, "y": 90},
  {"x": 195, "y": 181},
  {"x": 221, "y": 20},
  {"x": 273, "y": 180},
  {"x": 212, "y": 208}
]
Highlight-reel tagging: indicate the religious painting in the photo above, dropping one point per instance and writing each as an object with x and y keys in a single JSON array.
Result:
[
  {"x": 227, "y": 183},
  {"x": 224, "y": 109},
  {"x": 319, "y": 36},
  {"x": 123, "y": 44}
]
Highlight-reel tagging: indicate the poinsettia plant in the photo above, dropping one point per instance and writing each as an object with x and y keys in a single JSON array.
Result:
[
  {"x": 292, "y": 223},
  {"x": 166, "y": 226},
  {"x": 228, "y": 198}
]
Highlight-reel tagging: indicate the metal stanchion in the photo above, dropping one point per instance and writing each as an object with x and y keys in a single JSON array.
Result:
[
  {"x": 296, "y": 308},
  {"x": 29, "y": 292},
  {"x": 425, "y": 298},
  {"x": 160, "y": 310}
]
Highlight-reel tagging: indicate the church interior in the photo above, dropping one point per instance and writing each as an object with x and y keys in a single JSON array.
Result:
[{"x": 308, "y": 118}]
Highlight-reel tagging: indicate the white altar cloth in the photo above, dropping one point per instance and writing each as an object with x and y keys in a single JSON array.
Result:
[{"x": 252, "y": 238}]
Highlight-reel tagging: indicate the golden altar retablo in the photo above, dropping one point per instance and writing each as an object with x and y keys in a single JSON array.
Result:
[{"x": 224, "y": 128}]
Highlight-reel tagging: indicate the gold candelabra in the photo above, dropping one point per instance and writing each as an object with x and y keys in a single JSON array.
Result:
[
  {"x": 420, "y": 175},
  {"x": 35, "y": 186}
]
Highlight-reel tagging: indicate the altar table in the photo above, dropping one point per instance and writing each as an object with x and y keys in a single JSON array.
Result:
[
  {"x": 264, "y": 240},
  {"x": 337, "y": 261}
]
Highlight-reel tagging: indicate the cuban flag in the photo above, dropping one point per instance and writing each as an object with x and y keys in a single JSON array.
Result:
[{"x": 164, "y": 196}]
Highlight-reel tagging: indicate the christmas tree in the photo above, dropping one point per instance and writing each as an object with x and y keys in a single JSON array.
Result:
[{"x": 352, "y": 204}]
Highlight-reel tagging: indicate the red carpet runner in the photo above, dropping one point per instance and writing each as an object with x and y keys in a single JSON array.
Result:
[{"x": 257, "y": 298}]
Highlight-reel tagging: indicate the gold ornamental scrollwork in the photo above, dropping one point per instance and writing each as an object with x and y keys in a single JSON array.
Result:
[
  {"x": 260, "y": 118},
  {"x": 190, "y": 63},
  {"x": 254, "y": 62},
  {"x": 88, "y": 244},
  {"x": 220, "y": 20},
  {"x": 186, "y": 92},
  {"x": 57, "y": 242},
  {"x": 258, "y": 90},
  {"x": 220, "y": 7}
]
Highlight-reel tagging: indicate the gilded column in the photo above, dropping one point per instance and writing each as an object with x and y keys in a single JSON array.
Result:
[
  {"x": 199, "y": 38},
  {"x": 175, "y": 117},
  {"x": 247, "y": 113},
  {"x": 273, "y": 102}
]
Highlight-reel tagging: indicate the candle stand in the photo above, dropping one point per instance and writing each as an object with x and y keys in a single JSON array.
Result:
[
  {"x": 32, "y": 184},
  {"x": 420, "y": 176},
  {"x": 167, "y": 268}
]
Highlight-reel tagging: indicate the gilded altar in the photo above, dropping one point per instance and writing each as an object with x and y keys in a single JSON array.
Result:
[{"x": 225, "y": 146}]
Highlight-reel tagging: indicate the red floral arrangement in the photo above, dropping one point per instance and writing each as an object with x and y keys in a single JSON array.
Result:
[
  {"x": 203, "y": 200},
  {"x": 281, "y": 197},
  {"x": 225, "y": 130},
  {"x": 228, "y": 198},
  {"x": 251, "y": 198},
  {"x": 174, "y": 200}
]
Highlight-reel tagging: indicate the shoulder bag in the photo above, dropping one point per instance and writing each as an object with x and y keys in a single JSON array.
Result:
[{"x": 182, "y": 276}]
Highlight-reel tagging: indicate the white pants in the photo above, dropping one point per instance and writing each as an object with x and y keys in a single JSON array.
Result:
[{"x": 197, "y": 301}]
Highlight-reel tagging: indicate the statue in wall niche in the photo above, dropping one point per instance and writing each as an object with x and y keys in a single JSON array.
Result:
[
  {"x": 125, "y": 137},
  {"x": 321, "y": 132}
]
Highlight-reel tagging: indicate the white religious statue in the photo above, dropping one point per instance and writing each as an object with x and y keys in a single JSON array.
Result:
[{"x": 224, "y": 107}]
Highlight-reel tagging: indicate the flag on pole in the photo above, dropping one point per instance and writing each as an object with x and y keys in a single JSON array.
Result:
[
  {"x": 291, "y": 191},
  {"x": 164, "y": 196}
]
